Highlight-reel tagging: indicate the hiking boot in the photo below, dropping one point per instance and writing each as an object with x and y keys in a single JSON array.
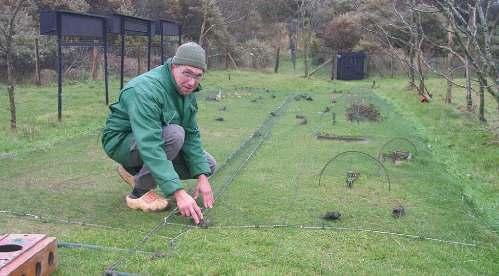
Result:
[
  {"x": 125, "y": 175},
  {"x": 149, "y": 202}
]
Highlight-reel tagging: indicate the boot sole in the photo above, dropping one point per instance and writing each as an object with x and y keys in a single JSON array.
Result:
[{"x": 133, "y": 206}]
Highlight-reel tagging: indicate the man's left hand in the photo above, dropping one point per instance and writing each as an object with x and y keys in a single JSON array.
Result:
[{"x": 204, "y": 188}]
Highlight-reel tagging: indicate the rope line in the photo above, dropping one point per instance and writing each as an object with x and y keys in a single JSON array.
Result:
[
  {"x": 51, "y": 219},
  {"x": 327, "y": 227}
]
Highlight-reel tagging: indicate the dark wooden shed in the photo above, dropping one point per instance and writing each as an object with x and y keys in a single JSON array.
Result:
[{"x": 351, "y": 66}]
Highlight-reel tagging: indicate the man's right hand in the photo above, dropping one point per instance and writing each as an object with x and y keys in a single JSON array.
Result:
[{"x": 188, "y": 206}]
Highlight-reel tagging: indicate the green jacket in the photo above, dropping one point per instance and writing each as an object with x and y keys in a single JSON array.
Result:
[{"x": 146, "y": 104}]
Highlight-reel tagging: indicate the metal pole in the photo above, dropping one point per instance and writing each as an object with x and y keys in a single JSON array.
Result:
[
  {"x": 161, "y": 43},
  {"x": 104, "y": 37},
  {"x": 149, "y": 38},
  {"x": 122, "y": 35},
  {"x": 179, "y": 35},
  {"x": 59, "y": 67}
]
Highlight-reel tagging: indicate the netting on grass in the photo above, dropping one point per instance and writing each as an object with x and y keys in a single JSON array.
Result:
[
  {"x": 274, "y": 200},
  {"x": 233, "y": 164}
]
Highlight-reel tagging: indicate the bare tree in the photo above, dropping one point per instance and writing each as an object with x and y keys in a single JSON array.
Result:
[
  {"x": 398, "y": 27},
  {"x": 311, "y": 15},
  {"x": 450, "y": 72},
  {"x": 470, "y": 26},
  {"x": 13, "y": 12}
]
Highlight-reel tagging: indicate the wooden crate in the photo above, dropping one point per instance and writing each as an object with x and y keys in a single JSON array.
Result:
[{"x": 27, "y": 255}]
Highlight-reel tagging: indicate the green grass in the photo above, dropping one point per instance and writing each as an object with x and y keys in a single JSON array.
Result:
[{"x": 450, "y": 188}]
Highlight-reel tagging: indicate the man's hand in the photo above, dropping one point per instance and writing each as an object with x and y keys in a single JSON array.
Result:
[
  {"x": 204, "y": 188},
  {"x": 188, "y": 206}
]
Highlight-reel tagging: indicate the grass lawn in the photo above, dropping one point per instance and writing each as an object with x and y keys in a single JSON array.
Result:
[{"x": 268, "y": 214}]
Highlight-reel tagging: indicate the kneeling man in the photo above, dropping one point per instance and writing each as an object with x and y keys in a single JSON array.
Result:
[{"x": 153, "y": 134}]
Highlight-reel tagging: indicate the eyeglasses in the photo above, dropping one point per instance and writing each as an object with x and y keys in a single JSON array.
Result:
[{"x": 191, "y": 75}]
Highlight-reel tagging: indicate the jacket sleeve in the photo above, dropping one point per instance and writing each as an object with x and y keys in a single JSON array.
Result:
[
  {"x": 145, "y": 120},
  {"x": 192, "y": 150}
]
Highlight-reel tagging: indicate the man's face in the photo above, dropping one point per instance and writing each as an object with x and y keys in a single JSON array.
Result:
[{"x": 187, "y": 78}]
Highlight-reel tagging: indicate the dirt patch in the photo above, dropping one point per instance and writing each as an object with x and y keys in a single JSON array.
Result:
[{"x": 362, "y": 112}]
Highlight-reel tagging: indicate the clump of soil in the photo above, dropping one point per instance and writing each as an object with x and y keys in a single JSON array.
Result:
[
  {"x": 303, "y": 121},
  {"x": 302, "y": 118},
  {"x": 303, "y": 97},
  {"x": 257, "y": 99},
  {"x": 332, "y": 215},
  {"x": 363, "y": 112},
  {"x": 398, "y": 212}
]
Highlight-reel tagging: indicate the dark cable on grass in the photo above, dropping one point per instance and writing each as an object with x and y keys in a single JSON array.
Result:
[{"x": 72, "y": 245}]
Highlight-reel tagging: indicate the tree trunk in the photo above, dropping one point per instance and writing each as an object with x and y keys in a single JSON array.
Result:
[
  {"x": 421, "y": 87},
  {"x": 450, "y": 44},
  {"x": 37, "y": 64},
  {"x": 305, "y": 51},
  {"x": 277, "y": 55},
  {"x": 203, "y": 24},
  {"x": 469, "y": 99},
  {"x": 11, "y": 87},
  {"x": 95, "y": 64},
  {"x": 206, "y": 47},
  {"x": 412, "y": 77},
  {"x": 481, "y": 115},
  {"x": 233, "y": 61},
  {"x": 471, "y": 23},
  {"x": 391, "y": 67},
  {"x": 292, "y": 45},
  {"x": 467, "y": 71},
  {"x": 412, "y": 55}
]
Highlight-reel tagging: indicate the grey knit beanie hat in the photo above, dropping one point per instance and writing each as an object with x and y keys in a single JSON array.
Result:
[{"x": 191, "y": 54}]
